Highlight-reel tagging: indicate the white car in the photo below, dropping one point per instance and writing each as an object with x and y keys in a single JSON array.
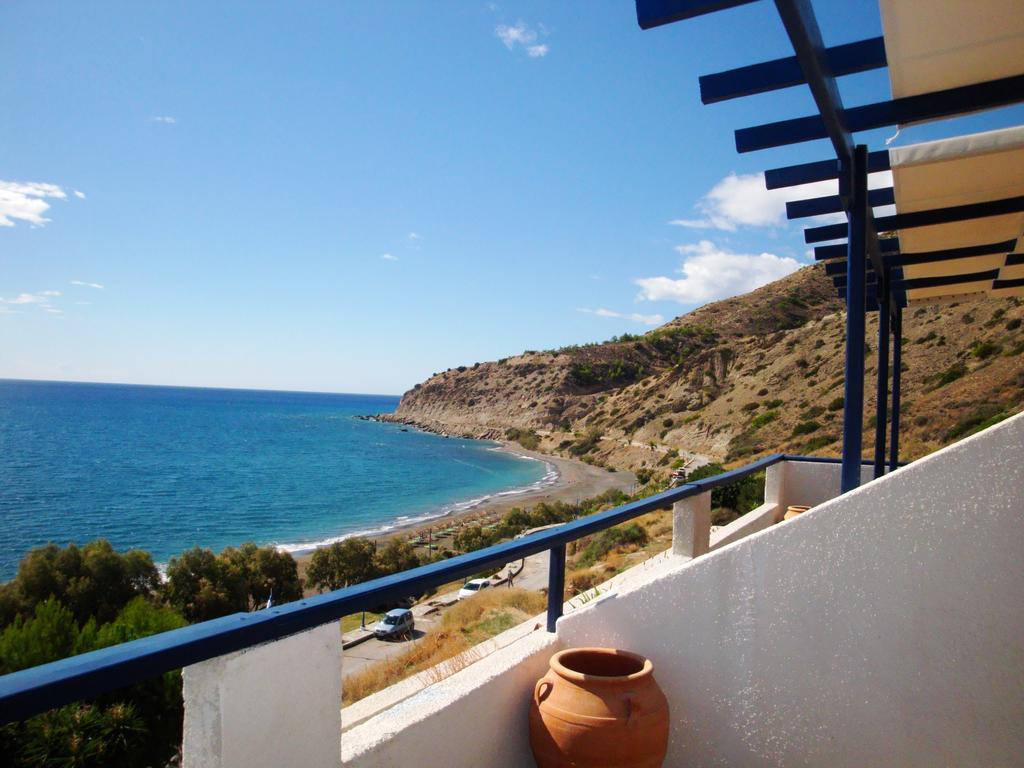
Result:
[{"x": 473, "y": 586}]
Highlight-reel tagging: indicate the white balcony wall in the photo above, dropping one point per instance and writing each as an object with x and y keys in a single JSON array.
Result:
[
  {"x": 883, "y": 628},
  {"x": 268, "y": 706}
]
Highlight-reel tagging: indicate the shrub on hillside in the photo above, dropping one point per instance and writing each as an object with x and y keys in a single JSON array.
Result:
[
  {"x": 806, "y": 428},
  {"x": 618, "y": 537},
  {"x": 741, "y": 496},
  {"x": 951, "y": 374}
]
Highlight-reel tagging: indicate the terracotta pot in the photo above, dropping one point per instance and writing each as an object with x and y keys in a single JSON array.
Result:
[
  {"x": 793, "y": 511},
  {"x": 598, "y": 707}
]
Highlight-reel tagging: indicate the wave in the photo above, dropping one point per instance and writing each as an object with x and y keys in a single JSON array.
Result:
[{"x": 400, "y": 522}]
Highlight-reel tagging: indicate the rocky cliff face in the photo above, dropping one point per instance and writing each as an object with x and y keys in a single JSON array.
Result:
[{"x": 734, "y": 379}]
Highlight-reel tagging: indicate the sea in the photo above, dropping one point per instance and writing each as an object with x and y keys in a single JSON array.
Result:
[{"x": 168, "y": 468}]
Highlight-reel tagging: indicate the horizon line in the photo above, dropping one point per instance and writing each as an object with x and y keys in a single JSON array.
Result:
[{"x": 192, "y": 386}]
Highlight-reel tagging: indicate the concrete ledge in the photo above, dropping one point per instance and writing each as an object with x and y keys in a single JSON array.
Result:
[
  {"x": 756, "y": 520},
  {"x": 477, "y": 717}
]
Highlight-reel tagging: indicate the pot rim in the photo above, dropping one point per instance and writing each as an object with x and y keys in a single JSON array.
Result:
[{"x": 646, "y": 666}]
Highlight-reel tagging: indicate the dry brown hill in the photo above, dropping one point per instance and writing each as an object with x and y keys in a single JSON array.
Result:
[{"x": 735, "y": 379}]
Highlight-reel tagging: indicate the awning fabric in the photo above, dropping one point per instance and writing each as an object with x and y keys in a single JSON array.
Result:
[{"x": 933, "y": 45}]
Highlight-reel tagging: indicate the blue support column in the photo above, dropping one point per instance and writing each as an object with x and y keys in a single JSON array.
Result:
[
  {"x": 556, "y": 584},
  {"x": 882, "y": 384},
  {"x": 856, "y": 257},
  {"x": 897, "y": 365}
]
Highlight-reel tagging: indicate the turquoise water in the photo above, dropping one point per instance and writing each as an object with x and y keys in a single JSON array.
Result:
[{"x": 167, "y": 468}]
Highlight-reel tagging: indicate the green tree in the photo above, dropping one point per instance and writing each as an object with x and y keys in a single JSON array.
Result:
[
  {"x": 396, "y": 556},
  {"x": 351, "y": 561},
  {"x": 265, "y": 571},
  {"x": 202, "y": 586},
  {"x": 51, "y": 633},
  {"x": 140, "y": 725},
  {"x": 93, "y": 581},
  {"x": 473, "y": 537}
]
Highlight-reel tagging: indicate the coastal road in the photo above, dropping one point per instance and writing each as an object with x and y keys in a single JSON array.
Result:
[{"x": 534, "y": 576}]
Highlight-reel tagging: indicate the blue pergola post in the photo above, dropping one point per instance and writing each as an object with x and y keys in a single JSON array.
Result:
[
  {"x": 856, "y": 256},
  {"x": 897, "y": 365},
  {"x": 882, "y": 385}
]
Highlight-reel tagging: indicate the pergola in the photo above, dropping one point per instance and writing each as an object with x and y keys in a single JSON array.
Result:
[{"x": 959, "y": 201}]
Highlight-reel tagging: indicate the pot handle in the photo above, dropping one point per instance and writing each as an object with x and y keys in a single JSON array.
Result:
[
  {"x": 632, "y": 711},
  {"x": 537, "y": 697}
]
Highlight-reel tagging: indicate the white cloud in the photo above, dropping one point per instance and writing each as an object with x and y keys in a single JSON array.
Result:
[
  {"x": 26, "y": 201},
  {"x": 87, "y": 285},
  {"x": 636, "y": 317},
  {"x": 79, "y": 194},
  {"x": 388, "y": 257},
  {"x": 743, "y": 201},
  {"x": 53, "y": 310},
  {"x": 414, "y": 236},
  {"x": 164, "y": 119},
  {"x": 42, "y": 298},
  {"x": 520, "y": 34},
  {"x": 710, "y": 272}
]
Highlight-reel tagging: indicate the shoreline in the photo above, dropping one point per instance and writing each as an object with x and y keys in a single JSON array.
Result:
[{"x": 574, "y": 481}]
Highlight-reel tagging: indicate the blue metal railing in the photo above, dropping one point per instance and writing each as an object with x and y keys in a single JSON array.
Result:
[{"x": 35, "y": 690}]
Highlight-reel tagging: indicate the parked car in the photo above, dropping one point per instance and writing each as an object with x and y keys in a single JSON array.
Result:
[
  {"x": 473, "y": 586},
  {"x": 395, "y": 623}
]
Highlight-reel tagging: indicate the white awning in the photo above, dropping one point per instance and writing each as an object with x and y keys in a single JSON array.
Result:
[
  {"x": 967, "y": 169},
  {"x": 933, "y": 45}
]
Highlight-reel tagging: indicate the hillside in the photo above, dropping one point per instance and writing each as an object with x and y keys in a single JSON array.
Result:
[{"x": 735, "y": 379}]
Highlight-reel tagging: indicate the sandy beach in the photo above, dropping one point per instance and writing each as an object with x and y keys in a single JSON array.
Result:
[{"x": 576, "y": 481}]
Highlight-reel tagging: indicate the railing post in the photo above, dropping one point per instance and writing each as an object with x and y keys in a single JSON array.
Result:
[
  {"x": 882, "y": 383},
  {"x": 556, "y": 584},
  {"x": 897, "y": 365},
  {"x": 853, "y": 408},
  {"x": 691, "y": 526}
]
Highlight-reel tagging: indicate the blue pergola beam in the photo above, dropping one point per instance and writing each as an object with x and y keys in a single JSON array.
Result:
[
  {"x": 933, "y": 257},
  {"x": 911, "y": 109},
  {"x": 655, "y": 13},
  {"x": 819, "y": 206},
  {"x": 1017, "y": 282},
  {"x": 848, "y": 59},
  {"x": 823, "y": 252},
  {"x": 802, "y": 28},
  {"x": 942, "y": 281},
  {"x": 927, "y": 218},
  {"x": 934, "y": 281},
  {"x": 821, "y": 170}
]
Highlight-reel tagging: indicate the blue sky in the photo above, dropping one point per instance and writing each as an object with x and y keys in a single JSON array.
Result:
[{"x": 350, "y": 196}]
